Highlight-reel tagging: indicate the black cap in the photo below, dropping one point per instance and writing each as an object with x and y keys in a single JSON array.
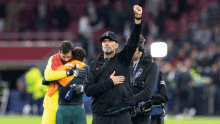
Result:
[{"x": 109, "y": 35}]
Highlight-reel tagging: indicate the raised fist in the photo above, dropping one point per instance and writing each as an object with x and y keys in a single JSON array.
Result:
[{"x": 137, "y": 11}]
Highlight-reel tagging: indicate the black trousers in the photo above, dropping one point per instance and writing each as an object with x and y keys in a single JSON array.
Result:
[
  {"x": 140, "y": 119},
  {"x": 157, "y": 119},
  {"x": 122, "y": 117}
]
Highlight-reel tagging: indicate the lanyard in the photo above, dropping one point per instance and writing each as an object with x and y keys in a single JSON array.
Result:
[{"x": 135, "y": 66}]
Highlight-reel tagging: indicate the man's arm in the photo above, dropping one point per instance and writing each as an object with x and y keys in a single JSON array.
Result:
[
  {"x": 150, "y": 84},
  {"x": 52, "y": 75},
  {"x": 126, "y": 54},
  {"x": 92, "y": 88}
]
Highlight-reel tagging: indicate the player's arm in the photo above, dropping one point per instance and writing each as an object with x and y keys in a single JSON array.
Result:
[
  {"x": 161, "y": 96},
  {"x": 52, "y": 75},
  {"x": 129, "y": 49},
  {"x": 93, "y": 88},
  {"x": 150, "y": 84}
]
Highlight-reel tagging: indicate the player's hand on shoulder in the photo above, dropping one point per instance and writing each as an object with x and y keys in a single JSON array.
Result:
[{"x": 76, "y": 72}]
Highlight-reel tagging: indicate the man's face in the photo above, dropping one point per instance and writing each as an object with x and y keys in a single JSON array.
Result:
[
  {"x": 136, "y": 54},
  {"x": 66, "y": 57},
  {"x": 109, "y": 46}
]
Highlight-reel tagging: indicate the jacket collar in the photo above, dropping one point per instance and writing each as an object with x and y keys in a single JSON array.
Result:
[{"x": 100, "y": 58}]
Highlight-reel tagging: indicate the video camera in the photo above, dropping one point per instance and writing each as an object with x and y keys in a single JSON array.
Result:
[{"x": 143, "y": 108}]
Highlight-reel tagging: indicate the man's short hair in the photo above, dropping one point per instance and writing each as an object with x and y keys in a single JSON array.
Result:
[
  {"x": 140, "y": 42},
  {"x": 65, "y": 47},
  {"x": 79, "y": 54}
]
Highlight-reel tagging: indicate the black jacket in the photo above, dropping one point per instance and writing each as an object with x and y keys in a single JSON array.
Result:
[
  {"x": 161, "y": 95},
  {"x": 106, "y": 96},
  {"x": 145, "y": 78}
]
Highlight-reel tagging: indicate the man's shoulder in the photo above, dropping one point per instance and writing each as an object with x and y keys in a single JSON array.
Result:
[
  {"x": 94, "y": 65},
  {"x": 93, "y": 62},
  {"x": 76, "y": 62},
  {"x": 147, "y": 58},
  {"x": 54, "y": 55},
  {"x": 51, "y": 57}
]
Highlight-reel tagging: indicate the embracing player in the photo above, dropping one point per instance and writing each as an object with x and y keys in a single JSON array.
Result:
[{"x": 51, "y": 75}]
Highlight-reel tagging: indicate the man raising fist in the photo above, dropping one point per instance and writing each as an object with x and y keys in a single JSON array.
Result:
[{"x": 108, "y": 80}]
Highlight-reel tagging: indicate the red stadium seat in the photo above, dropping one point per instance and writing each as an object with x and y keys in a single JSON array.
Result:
[
  {"x": 170, "y": 25},
  {"x": 3, "y": 1},
  {"x": 194, "y": 15},
  {"x": 31, "y": 3},
  {"x": 191, "y": 2},
  {"x": 202, "y": 5},
  {"x": 73, "y": 27},
  {"x": 183, "y": 23},
  {"x": 51, "y": 4},
  {"x": 145, "y": 16},
  {"x": 174, "y": 5},
  {"x": 75, "y": 7}
]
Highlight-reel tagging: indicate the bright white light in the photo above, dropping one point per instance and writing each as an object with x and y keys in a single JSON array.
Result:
[{"x": 158, "y": 49}]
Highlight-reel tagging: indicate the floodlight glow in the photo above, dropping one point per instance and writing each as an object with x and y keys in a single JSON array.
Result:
[{"x": 158, "y": 49}]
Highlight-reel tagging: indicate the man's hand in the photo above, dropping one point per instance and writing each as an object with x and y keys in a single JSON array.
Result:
[
  {"x": 136, "y": 111},
  {"x": 117, "y": 79},
  {"x": 147, "y": 107},
  {"x": 77, "y": 89},
  {"x": 137, "y": 11},
  {"x": 76, "y": 72}
]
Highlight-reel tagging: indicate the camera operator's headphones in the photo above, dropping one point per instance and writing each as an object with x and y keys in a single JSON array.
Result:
[{"x": 141, "y": 48}]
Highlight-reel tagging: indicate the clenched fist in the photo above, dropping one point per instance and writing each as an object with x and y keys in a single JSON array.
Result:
[{"x": 137, "y": 11}]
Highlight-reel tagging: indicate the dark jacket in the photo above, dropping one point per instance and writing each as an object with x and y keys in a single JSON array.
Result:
[
  {"x": 145, "y": 78},
  {"x": 107, "y": 97},
  {"x": 161, "y": 95},
  {"x": 76, "y": 99}
]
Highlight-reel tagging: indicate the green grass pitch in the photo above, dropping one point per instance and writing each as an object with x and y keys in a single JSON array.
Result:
[{"x": 171, "y": 120}]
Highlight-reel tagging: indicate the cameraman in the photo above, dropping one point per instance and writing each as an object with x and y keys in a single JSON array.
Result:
[
  {"x": 157, "y": 101},
  {"x": 144, "y": 78}
]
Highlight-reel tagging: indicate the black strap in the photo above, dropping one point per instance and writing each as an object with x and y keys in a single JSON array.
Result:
[{"x": 138, "y": 18}]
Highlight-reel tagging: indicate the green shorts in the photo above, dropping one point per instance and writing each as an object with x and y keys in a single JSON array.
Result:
[{"x": 70, "y": 114}]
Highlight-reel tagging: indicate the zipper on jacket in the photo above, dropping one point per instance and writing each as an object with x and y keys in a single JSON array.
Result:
[{"x": 124, "y": 89}]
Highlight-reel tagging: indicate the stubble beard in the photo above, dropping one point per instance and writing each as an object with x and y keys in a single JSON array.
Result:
[{"x": 108, "y": 52}]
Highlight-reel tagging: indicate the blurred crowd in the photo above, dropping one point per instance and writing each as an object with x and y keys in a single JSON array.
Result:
[
  {"x": 193, "y": 77},
  {"x": 191, "y": 67}
]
